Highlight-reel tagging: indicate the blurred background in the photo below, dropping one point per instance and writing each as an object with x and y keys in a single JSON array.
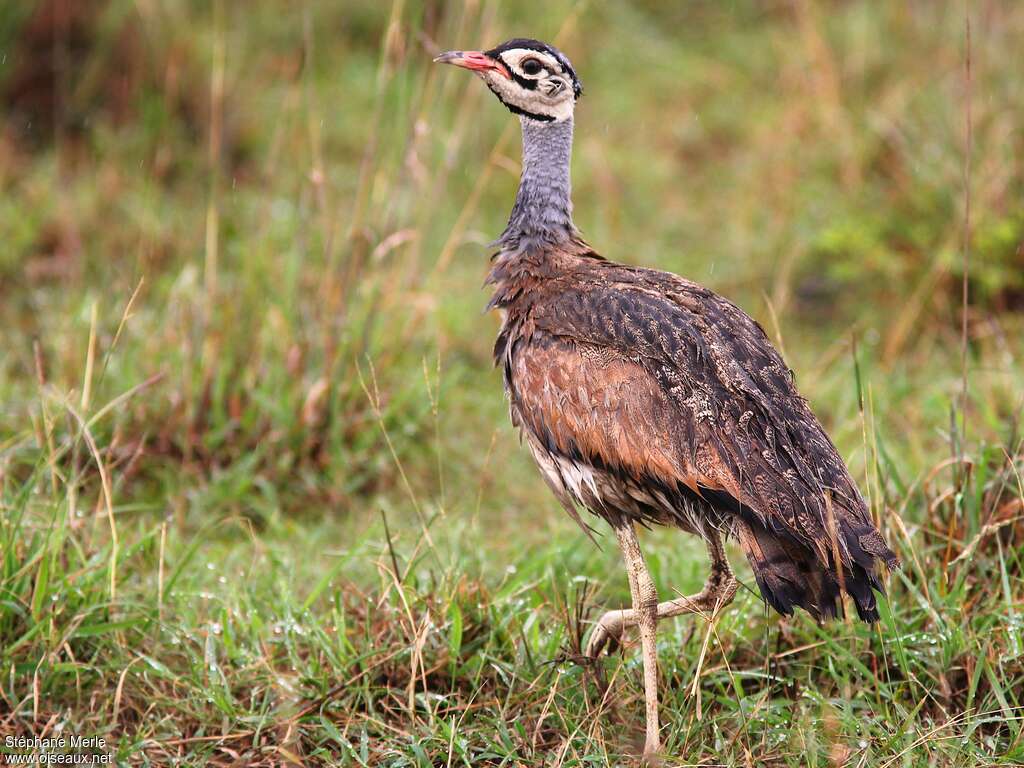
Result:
[{"x": 259, "y": 499}]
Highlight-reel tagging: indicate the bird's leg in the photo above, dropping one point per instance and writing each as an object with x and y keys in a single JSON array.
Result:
[
  {"x": 718, "y": 592},
  {"x": 645, "y": 608}
]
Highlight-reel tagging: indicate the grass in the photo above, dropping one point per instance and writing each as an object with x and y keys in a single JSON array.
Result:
[{"x": 259, "y": 501}]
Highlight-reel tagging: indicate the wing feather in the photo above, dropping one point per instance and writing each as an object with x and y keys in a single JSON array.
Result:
[{"x": 665, "y": 381}]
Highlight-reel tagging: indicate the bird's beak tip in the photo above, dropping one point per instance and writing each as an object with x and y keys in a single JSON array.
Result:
[{"x": 448, "y": 57}]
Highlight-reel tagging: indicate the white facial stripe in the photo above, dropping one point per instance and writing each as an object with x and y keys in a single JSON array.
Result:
[
  {"x": 516, "y": 56},
  {"x": 551, "y": 96}
]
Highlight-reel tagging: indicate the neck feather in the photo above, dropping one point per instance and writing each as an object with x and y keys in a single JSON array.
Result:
[{"x": 542, "y": 214}]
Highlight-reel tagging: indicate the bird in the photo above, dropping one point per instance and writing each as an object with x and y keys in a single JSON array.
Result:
[{"x": 647, "y": 399}]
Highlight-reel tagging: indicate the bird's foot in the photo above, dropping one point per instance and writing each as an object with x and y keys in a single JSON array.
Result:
[{"x": 607, "y": 634}]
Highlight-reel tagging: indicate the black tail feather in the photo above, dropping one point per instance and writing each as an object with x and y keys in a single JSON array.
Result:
[{"x": 790, "y": 574}]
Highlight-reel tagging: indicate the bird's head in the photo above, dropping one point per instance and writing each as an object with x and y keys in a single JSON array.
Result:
[{"x": 531, "y": 78}]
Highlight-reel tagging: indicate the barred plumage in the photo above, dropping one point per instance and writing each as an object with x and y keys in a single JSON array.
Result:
[{"x": 675, "y": 399}]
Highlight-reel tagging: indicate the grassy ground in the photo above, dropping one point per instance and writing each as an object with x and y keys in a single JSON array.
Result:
[{"x": 259, "y": 501}]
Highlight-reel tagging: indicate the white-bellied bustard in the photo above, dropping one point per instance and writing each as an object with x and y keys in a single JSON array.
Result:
[{"x": 646, "y": 398}]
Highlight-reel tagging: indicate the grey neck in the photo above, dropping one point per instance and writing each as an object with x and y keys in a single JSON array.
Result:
[{"x": 542, "y": 214}]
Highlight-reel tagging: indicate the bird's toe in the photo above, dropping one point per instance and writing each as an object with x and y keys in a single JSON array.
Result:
[{"x": 607, "y": 635}]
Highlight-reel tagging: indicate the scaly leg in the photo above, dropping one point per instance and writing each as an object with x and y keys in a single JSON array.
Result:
[
  {"x": 645, "y": 609},
  {"x": 718, "y": 592}
]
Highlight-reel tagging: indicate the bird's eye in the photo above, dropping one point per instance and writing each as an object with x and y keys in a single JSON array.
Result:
[{"x": 531, "y": 66}]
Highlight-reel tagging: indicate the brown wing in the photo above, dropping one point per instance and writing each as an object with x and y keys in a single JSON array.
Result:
[
  {"x": 593, "y": 405},
  {"x": 698, "y": 399}
]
